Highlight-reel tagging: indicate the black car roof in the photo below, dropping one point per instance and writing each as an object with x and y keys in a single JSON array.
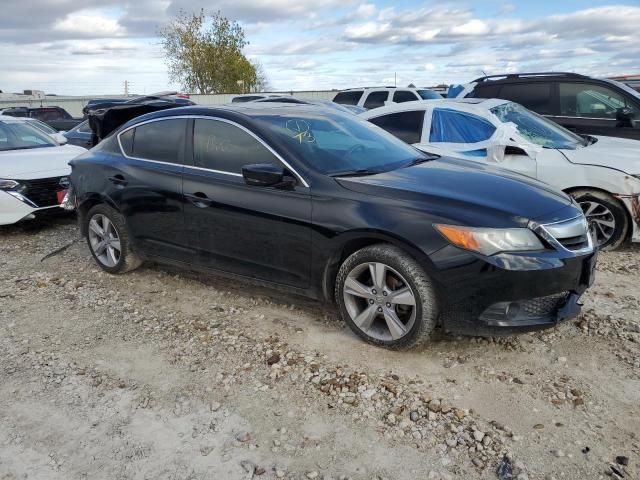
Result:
[
  {"x": 533, "y": 76},
  {"x": 248, "y": 109}
]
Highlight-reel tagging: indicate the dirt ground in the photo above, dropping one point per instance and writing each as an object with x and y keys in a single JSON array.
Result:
[{"x": 160, "y": 374}]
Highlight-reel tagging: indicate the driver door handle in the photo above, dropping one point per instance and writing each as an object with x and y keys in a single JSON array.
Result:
[{"x": 199, "y": 199}]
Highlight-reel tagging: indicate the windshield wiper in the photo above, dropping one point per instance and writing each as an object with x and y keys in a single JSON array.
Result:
[
  {"x": 360, "y": 172},
  {"x": 419, "y": 160}
]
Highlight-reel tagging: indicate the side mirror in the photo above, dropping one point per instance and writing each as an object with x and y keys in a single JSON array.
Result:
[
  {"x": 513, "y": 150},
  {"x": 60, "y": 138},
  {"x": 265, "y": 175},
  {"x": 624, "y": 115}
]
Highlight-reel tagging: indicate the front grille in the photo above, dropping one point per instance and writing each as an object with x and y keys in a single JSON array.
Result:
[
  {"x": 574, "y": 243},
  {"x": 42, "y": 191},
  {"x": 571, "y": 234},
  {"x": 543, "y": 306}
]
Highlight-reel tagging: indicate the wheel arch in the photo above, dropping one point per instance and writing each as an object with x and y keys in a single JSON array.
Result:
[
  {"x": 89, "y": 201},
  {"x": 571, "y": 190},
  {"x": 352, "y": 241}
]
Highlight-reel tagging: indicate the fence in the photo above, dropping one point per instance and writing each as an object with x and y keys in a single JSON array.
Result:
[{"x": 74, "y": 105}]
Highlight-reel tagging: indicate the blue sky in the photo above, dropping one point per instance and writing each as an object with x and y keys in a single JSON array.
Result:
[{"x": 92, "y": 47}]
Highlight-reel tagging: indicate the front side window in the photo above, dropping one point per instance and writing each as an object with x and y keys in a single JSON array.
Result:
[
  {"x": 451, "y": 126},
  {"x": 161, "y": 140},
  {"x": 351, "y": 97},
  {"x": 21, "y": 136},
  {"x": 407, "y": 126},
  {"x": 537, "y": 129},
  {"x": 83, "y": 127},
  {"x": 401, "y": 96},
  {"x": 376, "y": 99},
  {"x": 591, "y": 101},
  {"x": 224, "y": 147},
  {"x": 336, "y": 143}
]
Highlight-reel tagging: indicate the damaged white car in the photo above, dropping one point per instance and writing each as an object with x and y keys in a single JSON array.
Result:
[
  {"x": 34, "y": 171},
  {"x": 601, "y": 173}
]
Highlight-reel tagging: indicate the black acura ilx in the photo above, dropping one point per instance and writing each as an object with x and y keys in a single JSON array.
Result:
[{"x": 325, "y": 204}]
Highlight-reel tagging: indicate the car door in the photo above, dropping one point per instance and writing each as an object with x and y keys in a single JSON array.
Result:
[
  {"x": 146, "y": 185},
  {"x": 590, "y": 108},
  {"x": 258, "y": 232},
  {"x": 80, "y": 135}
]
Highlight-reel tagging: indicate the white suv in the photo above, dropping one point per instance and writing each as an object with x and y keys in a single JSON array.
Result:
[{"x": 369, "y": 98}]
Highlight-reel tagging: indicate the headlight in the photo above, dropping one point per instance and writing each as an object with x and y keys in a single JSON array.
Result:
[
  {"x": 7, "y": 184},
  {"x": 490, "y": 240}
]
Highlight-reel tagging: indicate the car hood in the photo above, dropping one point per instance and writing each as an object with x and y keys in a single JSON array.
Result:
[
  {"x": 611, "y": 152},
  {"x": 473, "y": 193},
  {"x": 38, "y": 162}
]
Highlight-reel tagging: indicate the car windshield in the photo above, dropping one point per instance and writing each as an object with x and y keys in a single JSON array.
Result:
[
  {"x": 429, "y": 95},
  {"x": 340, "y": 144},
  {"x": 537, "y": 129},
  {"x": 21, "y": 136}
]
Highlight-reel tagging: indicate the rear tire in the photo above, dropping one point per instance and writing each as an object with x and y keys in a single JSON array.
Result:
[
  {"x": 108, "y": 240},
  {"x": 606, "y": 214},
  {"x": 386, "y": 297}
]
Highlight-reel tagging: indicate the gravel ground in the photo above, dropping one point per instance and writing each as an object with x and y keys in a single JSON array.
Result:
[{"x": 160, "y": 374}]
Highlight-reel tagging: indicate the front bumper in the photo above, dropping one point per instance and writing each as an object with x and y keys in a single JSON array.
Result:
[
  {"x": 511, "y": 294},
  {"x": 14, "y": 209},
  {"x": 632, "y": 202}
]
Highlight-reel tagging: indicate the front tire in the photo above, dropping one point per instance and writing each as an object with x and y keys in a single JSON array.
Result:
[
  {"x": 109, "y": 241},
  {"x": 606, "y": 215},
  {"x": 386, "y": 297}
]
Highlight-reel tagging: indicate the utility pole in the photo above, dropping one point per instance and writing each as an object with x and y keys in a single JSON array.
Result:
[
  {"x": 126, "y": 88},
  {"x": 395, "y": 79}
]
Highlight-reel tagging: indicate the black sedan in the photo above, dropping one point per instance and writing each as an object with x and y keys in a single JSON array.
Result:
[{"x": 320, "y": 202}]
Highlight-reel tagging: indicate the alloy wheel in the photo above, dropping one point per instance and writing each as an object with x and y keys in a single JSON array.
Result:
[
  {"x": 104, "y": 240},
  {"x": 601, "y": 219},
  {"x": 379, "y": 301}
]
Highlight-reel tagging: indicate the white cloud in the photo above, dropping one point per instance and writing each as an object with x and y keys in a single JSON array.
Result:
[
  {"x": 91, "y": 25},
  {"x": 365, "y": 10},
  {"x": 472, "y": 27}
]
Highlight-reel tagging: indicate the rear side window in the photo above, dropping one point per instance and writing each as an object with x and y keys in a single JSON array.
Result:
[
  {"x": 352, "y": 97},
  {"x": 401, "y": 96},
  {"x": 534, "y": 96},
  {"x": 162, "y": 141},
  {"x": 407, "y": 126},
  {"x": 126, "y": 140},
  {"x": 485, "y": 91},
  {"x": 429, "y": 95},
  {"x": 450, "y": 126},
  {"x": 227, "y": 148},
  {"x": 376, "y": 99}
]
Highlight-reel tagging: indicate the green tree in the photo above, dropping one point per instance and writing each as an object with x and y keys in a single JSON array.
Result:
[{"x": 204, "y": 54}]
